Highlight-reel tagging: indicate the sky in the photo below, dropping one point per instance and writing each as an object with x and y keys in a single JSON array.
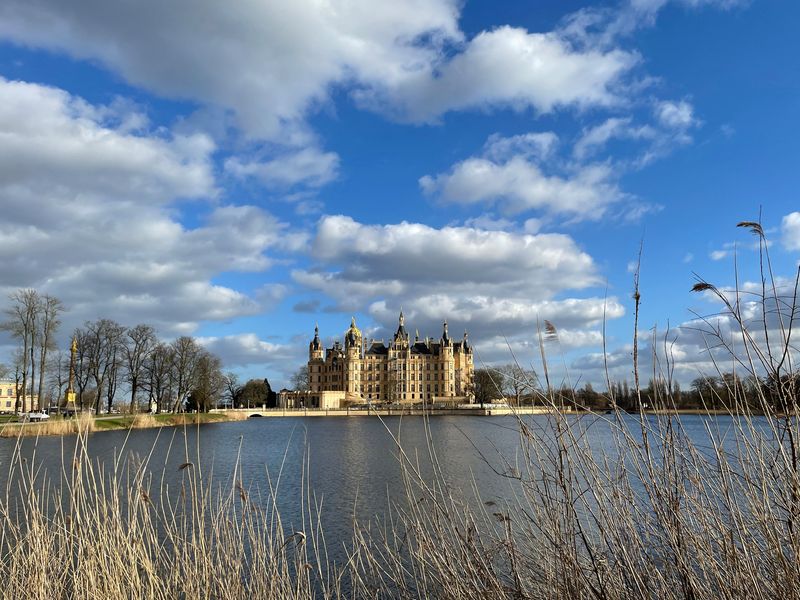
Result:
[{"x": 240, "y": 172}]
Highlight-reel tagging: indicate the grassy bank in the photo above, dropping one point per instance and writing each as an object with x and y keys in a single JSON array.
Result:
[{"x": 88, "y": 423}]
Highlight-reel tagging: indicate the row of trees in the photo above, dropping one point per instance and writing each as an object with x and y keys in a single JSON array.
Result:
[
  {"x": 171, "y": 375},
  {"x": 33, "y": 320},
  {"x": 521, "y": 386}
]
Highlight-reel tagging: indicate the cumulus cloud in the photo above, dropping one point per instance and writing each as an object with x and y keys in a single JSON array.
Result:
[
  {"x": 270, "y": 63},
  {"x": 308, "y": 166},
  {"x": 517, "y": 182},
  {"x": 90, "y": 215},
  {"x": 507, "y": 67},
  {"x": 790, "y": 231},
  {"x": 595, "y": 138},
  {"x": 247, "y": 349},
  {"x": 494, "y": 283}
]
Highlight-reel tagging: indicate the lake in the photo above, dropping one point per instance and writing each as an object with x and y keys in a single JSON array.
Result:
[{"x": 351, "y": 465}]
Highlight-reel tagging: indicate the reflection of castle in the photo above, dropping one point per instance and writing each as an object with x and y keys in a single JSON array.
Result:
[{"x": 404, "y": 371}]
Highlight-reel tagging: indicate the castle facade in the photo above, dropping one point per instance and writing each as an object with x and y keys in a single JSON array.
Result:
[{"x": 405, "y": 370}]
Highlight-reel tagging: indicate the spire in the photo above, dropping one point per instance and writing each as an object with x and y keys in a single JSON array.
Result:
[
  {"x": 315, "y": 343},
  {"x": 445, "y": 336},
  {"x": 401, "y": 327},
  {"x": 465, "y": 344},
  {"x": 416, "y": 336}
]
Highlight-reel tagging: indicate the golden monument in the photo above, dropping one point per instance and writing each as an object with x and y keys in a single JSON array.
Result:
[{"x": 69, "y": 395}]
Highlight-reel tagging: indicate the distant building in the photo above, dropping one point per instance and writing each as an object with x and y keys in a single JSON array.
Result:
[
  {"x": 405, "y": 370},
  {"x": 8, "y": 397}
]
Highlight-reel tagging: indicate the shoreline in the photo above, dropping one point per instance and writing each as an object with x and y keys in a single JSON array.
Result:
[{"x": 91, "y": 424}]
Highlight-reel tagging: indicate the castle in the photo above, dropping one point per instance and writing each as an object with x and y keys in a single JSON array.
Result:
[{"x": 405, "y": 371}]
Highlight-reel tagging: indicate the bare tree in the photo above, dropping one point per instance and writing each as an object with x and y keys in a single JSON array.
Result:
[
  {"x": 208, "y": 382},
  {"x": 139, "y": 343},
  {"x": 21, "y": 324},
  {"x": 186, "y": 353},
  {"x": 58, "y": 368},
  {"x": 50, "y": 309},
  {"x": 300, "y": 381},
  {"x": 488, "y": 385},
  {"x": 232, "y": 387},
  {"x": 517, "y": 381},
  {"x": 159, "y": 375},
  {"x": 82, "y": 373},
  {"x": 104, "y": 338}
]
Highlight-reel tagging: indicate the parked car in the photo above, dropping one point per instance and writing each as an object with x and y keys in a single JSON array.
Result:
[{"x": 36, "y": 416}]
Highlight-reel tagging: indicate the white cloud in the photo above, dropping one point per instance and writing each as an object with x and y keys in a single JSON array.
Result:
[
  {"x": 519, "y": 185},
  {"x": 719, "y": 254},
  {"x": 492, "y": 282},
  {"x": 507, "y": 67},
  {"x": 270, "y": 63},
  {"x": 676, "y": 115},
  {"x": 529, "y": 145},
  {"x": 790, "y": 231},
  {"x": 595, "y": 138},
  {"x": 308, "y": 166},
  {"x": 50, "y": 136},
  {"x": 246, "y": 349},
  {"x": 89, "y": 215}
]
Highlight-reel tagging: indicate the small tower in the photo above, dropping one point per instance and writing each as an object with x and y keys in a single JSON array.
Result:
[
  {"x": 401, "y": 335},
  {"x": 446, "y": 341},
  {"x": 69, "y": 395},
  {"x": 447, "y": 362},
  {"x": 352, "y": 352},
  {"x": 352, "y": 340},
  {"x": 315, "y": 347}
]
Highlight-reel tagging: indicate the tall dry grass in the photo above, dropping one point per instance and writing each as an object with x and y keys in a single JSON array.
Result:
[
  {"x": 654, "y": 512},
  {"x": 81, "y": 423}
]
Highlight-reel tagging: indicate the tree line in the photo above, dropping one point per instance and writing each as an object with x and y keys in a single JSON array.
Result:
[
  {"x": 169, "y": 376},
  {"x": 521, "y": 387}
]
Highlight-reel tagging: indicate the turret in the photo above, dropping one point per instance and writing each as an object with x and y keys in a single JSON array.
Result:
[
  {"x": 315, "y": 347},
  {"x": 445, "y": 336},
  {"x": 352, "y": 340},
  {"x": 401, "y": 334}
]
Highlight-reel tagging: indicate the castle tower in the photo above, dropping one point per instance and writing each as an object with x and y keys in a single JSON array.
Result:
[
  {"x": 316, "y": 362},
  {"x": 315, "y": 347},
  {"x": 447, "y": 364},
  {"x": 353, "y": 344}
]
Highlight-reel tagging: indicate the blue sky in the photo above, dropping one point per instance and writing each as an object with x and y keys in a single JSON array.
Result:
[{"x": 241, "y": 172}]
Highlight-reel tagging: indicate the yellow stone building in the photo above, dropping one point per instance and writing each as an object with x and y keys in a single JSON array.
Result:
[
  {"x": 8, "y": 398},
  {"x": 404, "y": 371}
]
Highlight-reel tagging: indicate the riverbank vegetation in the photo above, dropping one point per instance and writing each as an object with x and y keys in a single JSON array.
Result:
[{"x": 87, "y": 423}]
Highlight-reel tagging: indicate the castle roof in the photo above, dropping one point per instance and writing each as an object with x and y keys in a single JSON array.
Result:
[{"x": 378, "y": 348}]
